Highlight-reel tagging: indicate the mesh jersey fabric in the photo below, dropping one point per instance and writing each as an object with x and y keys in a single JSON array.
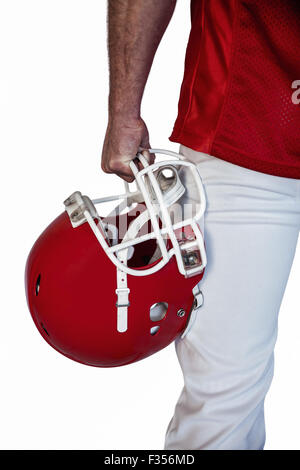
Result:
[{"x": 237, "y": 96}]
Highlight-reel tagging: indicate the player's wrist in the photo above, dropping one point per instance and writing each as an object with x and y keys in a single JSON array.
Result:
[
  {"x": 126, "y": 109},
  {"x": 124, "y": 119}
]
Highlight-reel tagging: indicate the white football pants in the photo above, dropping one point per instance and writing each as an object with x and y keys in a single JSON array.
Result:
[{"x": 251, "y": 230}]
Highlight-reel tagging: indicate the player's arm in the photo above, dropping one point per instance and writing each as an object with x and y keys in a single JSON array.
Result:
[{"x": 135, "y": 28}]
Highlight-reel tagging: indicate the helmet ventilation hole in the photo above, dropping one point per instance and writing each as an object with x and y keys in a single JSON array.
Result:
[
  {"x": 158, "y": 311},
  {"x": 154, "y": 330},
  {"x": 37, "y": 285}
]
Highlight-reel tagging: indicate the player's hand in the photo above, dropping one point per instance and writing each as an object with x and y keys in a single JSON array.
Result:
[{"x": 123, "y": 140}]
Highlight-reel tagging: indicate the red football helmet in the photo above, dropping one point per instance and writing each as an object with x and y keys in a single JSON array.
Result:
[{"x": 108, "y": 291}]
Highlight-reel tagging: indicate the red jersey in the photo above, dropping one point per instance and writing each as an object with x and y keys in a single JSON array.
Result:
[{"x": 240, "y": 96}]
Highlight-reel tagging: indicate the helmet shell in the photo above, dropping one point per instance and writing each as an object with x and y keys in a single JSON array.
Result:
[{"x": 70, "y": 289}]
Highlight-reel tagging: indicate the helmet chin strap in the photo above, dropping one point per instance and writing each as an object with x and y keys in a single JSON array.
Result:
[{"x": 172, "y": 190}]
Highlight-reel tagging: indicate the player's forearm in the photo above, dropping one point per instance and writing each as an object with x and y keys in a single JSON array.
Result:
[{"x": 135, "y": 28}]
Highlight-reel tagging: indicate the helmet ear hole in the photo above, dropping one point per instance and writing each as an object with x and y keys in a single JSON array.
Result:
[
  {"x": 154, "y": 330},
  {"x": 37, "y": 285},
  {"x": 45, "y": 330},
  {"x": 158, "y": 311}
]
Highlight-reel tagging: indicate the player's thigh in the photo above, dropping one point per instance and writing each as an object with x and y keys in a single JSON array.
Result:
[{"x": 251, "y": 230}]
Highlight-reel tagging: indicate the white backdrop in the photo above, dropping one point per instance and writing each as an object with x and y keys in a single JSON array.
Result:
[{"x": 53, "y": 113}]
